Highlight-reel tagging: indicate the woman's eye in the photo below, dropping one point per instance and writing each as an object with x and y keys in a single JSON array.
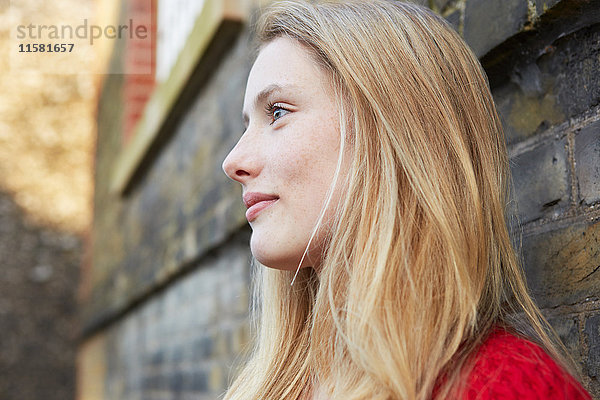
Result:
[
  {"x": 275, "y": 111},
  {"x": 278, "y": 113}
]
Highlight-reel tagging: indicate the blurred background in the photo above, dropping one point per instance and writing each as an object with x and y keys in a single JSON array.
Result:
[
  {"x": 124, "y": 248},
  {"x": 47, "y": 138}
]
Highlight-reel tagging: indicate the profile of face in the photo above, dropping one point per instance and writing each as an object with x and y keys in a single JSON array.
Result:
[{"x": 287, "y": 157}]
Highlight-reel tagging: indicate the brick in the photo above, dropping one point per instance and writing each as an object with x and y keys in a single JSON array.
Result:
[
  {"x": 149, "y": 383},
  {"x": 489, "y": 23},
  {"x": 567, "y": 328},
  {"x": 240, "y": 338},
  {"x": 453, "y": 17},
  {"x": 587, "y": 162},
  {"x": 156, "y": 359},
  {"x": 176, "y": 382},
  {"x": 162, "y": 381},
  {"x": 177, "y": 355},
  {"x": 592, "y": 337},
  {"x": 143, "y": 45},
  {"x": 569, "y": 70},
  {"x": 139, "y": 85},
  {"x": 573, "y": 66},
  {"x": 541, "y": 181},
  {"x": 216, "y": 379},
  {"x": 136, "y": 101},
  {"x": 524, "y": 111},
  {"x": 203, "y": 348},
  {"x": 543, "y": 5},
  {"x": 561, "y": 83},
  {"x": 140, "y": 64},
  {"x": 139, "y": 80},
  {"x": 131, "y": 122},
  {"x": 140, "y": 7},
  {"x": 222, "y": 342},
  {"x": 199, "y": 381},
  {"x": 439, "y": 5},
  {"x": 562, "y": 266}
]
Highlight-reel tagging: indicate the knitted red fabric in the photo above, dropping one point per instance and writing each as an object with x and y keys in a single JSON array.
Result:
[{"x": 509, "y": 367}]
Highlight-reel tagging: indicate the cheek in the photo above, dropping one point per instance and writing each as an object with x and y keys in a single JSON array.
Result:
[
  {"x": 280, "y": 238},
  {"x": 312, "y": 155},
  {"x": 296, "y": 166},
  {"x": 306, "y": 178},
  {"x": 301, "y": 168},
  {"x": 307, "y": 168}
]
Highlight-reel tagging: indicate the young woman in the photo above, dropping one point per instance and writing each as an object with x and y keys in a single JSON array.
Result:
[{"x": 373, "y": 166}]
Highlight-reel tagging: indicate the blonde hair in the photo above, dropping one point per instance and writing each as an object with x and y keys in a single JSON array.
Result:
[{"x": 419, "y": 266}]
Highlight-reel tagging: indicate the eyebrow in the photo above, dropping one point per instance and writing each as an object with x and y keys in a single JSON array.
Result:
[{"x": 264, "y": 94}]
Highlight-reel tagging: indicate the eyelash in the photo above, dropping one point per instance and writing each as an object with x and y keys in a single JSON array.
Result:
[{"x": 271, "y": 108}]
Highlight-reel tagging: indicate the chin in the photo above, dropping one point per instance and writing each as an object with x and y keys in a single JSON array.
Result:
[
  {"x": 275, "y": 262},
  {"x": 280, "y": 261},
  {"x": 283, "y": 255},
  {"x": 272, "y": 257}
]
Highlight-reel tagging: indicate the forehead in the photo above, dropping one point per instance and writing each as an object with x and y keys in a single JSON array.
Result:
[{"x": 283, "y": 62}]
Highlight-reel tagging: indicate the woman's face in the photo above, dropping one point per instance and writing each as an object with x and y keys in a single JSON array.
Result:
[{"x": 286, "y": 158}]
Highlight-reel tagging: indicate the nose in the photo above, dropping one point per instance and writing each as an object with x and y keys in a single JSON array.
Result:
[{"x": 240, "y": 164}]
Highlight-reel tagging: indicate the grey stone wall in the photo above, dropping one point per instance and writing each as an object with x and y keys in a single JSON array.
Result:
[{"x": 165, "y": 302}]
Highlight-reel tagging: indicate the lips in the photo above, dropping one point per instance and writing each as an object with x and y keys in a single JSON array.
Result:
[{"x": 256, "y": 202}]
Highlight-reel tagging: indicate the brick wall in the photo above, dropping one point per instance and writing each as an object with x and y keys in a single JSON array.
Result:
[
  {"x": 181, "y": 342},
  {"x": 547, "y": 88},
  {"x": 166, "y": 306},
  {"x": 140, "y": 63}
]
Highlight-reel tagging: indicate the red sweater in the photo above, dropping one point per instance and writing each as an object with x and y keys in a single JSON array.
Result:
[{"x": 508, "y": 367}]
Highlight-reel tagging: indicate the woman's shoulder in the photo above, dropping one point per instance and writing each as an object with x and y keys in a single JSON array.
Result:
[{"x": 511, "y": 367}]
